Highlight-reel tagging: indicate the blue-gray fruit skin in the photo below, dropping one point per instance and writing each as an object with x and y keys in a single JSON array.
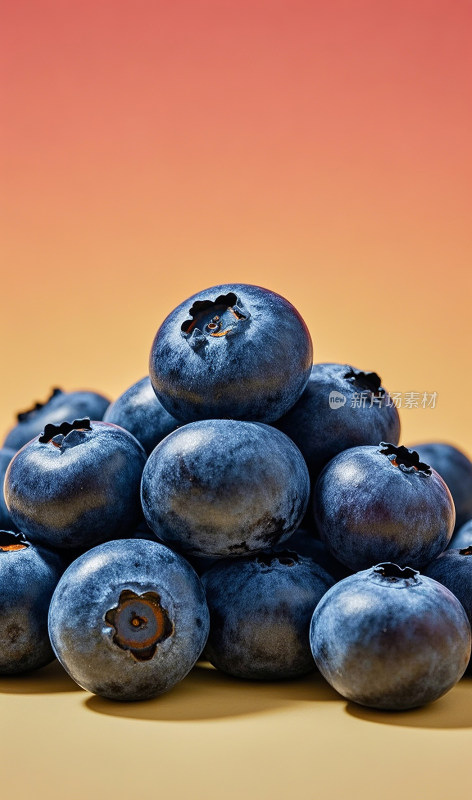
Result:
[
  {"x": 221, "y": 488},
  {"x": 382, "y": 503},
  {"x": 60, "y": 406},
  {"x": 390, "y": 638},
  {"x": 304, "y": 543},
  {"x": 6, "y": 522},
  {"x": 233, "y": 350},
  {"x": 77, "y": 485},
  {"x": 462, "y": 537},
  {"x": 260, "y": 612},
  {"x": 28, "y": 577},
  {"x": 139, "y": 411},
  {"x": 456, "y": 470},
  {"x": 322, "y": 430},
  {"x": 454, "y": 570},
  {"x": 128, "y": 619}
]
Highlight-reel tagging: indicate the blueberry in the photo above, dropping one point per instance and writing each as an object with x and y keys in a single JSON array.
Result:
[
  {"x": 304, "y": 543},
  {"x": 128, "y": 619},
  {"x": 456, "y": 469},
  {"x": 28, "y": 577},
  {"x": 454, "y": 570},
  {"x": 462, "y": 537},
  {"x": 234, "y": 351},
  {"x": 6, "y": 522},
  {"x": 340, "y": 407},
  {"x": 60, "y": 406},
  {"x": 139, "y": 411},
  {"x": 382, "y": 503},
  {"x": 390, "y": 638},
  {"x": 260, "y": 612},
  {"x": 224, "y": 488},
  {"x": 76, "y": 485}
]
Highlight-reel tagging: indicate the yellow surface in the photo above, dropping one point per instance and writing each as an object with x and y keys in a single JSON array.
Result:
[{"x": 214, "y": 738}]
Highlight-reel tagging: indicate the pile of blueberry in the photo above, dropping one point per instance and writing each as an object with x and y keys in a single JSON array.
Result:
[{"x": 225, "y": 508}]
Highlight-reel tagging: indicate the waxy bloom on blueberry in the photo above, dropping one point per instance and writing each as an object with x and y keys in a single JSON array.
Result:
[
  {"x": 76, "y": 485},
  {"x": 364, "y": 414},
  {"x": 224, "y": 488},
  {"x": 139, "y": 411},
  {"x": 454, "y": 570},
  {"x": 455, "y": 468},
  {"x": 373, "y": 504},
  {"x": 28, "y": 577},
  {"x": 260, "y": 612},
  {"x": 61, "y": 406},
  {"x": 390, "y": 638},
  {"x": 235, "y": 351},
  {"x": 129, "y": 619}
]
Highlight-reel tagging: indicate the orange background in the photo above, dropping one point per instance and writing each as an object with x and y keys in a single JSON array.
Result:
[
  {"x": 320, "y": 149},
  {"x": 151, "y": 149}
]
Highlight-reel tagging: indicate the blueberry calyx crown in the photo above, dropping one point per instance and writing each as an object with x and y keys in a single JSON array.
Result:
[
  {"x": 10, "y": 541},
  {"x": 466, "y": 551},
  {"x": 365, "y": 381},
  {"x": 393, "y": 573},
  {"x": 407, "y": 460},
  {"x": 23, "y": 416},
  {"x": 140, "y": 623},
  {"x": 67, "y": 434},
  {"x": 286, "y": 557},
  {"x": 213, "y": 319}
]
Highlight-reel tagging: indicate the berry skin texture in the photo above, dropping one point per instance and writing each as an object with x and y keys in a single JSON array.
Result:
[
  {"x": 260, "y": 612},
  {"x": 233, "y": 351},
  {"x": 462, "y": 537},
  {"x": 304, "y": 543},
  {"x": 456, "y": 470},
  {"x": 382, "y": 503},
  {"x": 60, "y": 406},
  {"x": 128, "y": 619},
  {"x": 322, "y": 427},
  {"x": 76, "y": 485},
  {"x": 6, "y": 522},
  {"x": 454, "y": 570},
  {"x": 139, "y": 411},
  {"x": 28, "y": 577},
  {"x": 390, "y": 638},
  {"x": 224, "y": 488}
]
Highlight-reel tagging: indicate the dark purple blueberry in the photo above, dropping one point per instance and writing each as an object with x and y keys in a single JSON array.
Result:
[
  {"x": 234, "y": 351},
  {"x": 305, "y": 543},
  {"x": 454, "y": 570},
  {"x": 224, "y": 488},
  {"x": 139, "y": 411},
  {"x": 28, "y": 577},
  {"x": 58, "y": 407},
  {"x": 76, "y": 485},
  {"x": 340, "y": 407},
  {"x": 129, "y": 619},
  {"x": 382, "y": 503},
  {"x": 456, "y": 469},
  {"x": 6, "y": 522},
  {"x": 462, "y": 537},
  {"x": 390, "y": 638},
  {"x": 260, "y": 612}
]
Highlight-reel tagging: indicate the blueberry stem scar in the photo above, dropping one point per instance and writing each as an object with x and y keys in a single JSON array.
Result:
[
  {"x": 406, "y": 460},
  {"x": 140, "y": 623},
  {"x": 10, "y": 541}
]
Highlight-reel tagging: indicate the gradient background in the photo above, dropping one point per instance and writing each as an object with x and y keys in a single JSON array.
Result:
[{"x": 320, "y": 149}]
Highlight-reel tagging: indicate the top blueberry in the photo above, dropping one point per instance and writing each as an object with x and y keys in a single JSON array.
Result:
[
  {"x": 341, "y": 407},
  {"x": 58, "y": 407},
  {"x": 234, "y": 351}
]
